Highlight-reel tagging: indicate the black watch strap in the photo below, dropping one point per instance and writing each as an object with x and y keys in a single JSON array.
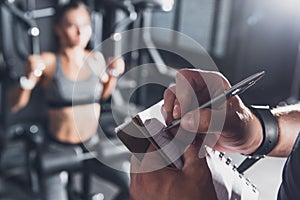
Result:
[{"x": 270, "y": 136}]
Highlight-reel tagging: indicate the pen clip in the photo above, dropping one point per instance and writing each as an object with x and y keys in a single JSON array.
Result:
[
  {"x": 244, "y": 85},
  {"x": 239, "y": 91}
]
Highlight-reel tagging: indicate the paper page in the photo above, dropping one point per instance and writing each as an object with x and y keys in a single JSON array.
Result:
[
  {"x": 228, "y": 182},
  {"x": 153, "y": 112}
]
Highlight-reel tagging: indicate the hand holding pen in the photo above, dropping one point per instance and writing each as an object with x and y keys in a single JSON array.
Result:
[{"x": 240, "y": 124}]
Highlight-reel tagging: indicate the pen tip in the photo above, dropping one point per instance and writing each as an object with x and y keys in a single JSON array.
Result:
[{"x": 262, "y": 72}]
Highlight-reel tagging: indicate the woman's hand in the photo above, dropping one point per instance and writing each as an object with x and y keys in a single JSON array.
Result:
[
  {"x": 34, "y": 68},
  {"x": 116, "y": 67}
]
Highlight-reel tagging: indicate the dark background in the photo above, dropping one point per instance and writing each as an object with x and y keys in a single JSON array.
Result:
[{"x": 242, "y": 37}]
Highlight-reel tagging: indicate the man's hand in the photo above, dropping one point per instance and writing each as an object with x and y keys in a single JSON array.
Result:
[
  {"x": 194, "y": 181},
  {"x": 230, "y": 127}
]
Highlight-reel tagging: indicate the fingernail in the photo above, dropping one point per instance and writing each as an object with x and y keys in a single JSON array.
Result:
[
  {"x": 164, "y": 112},
  {"x": 188, "y": 122},
  {"x": 176, "y": 112}
]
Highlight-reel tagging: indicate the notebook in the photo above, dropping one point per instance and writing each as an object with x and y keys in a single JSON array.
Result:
[{"x": 146, "y": 128}]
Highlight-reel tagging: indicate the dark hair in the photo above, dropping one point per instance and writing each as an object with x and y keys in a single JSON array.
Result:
[{"x": 62, "y": 9}]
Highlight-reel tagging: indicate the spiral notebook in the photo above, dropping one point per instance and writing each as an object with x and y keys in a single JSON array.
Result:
[
  {"x": 228, "y": 182},
  {"x": 146, "y": 128}
]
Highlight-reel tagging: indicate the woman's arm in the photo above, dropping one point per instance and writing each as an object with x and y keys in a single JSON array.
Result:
[
  {"x": 18, "y": 98},
  {"x": 114, "y": 70},
  {"x": 20, "y": 94}
]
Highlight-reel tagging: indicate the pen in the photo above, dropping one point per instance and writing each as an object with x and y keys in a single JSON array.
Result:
[{"x": 236, "y": 89}]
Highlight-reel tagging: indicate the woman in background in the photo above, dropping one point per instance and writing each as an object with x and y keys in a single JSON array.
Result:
[{"x": 64, "y": 70}]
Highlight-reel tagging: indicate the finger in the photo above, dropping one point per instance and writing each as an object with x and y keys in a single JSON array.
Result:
[
  {"x": 196, "y": 121},
  {"x": 186, "y": 89},
  {"x": 211, "y": 124},
  {"x": 169, "y": 98},
  {"x": 176, "y": 109},
  {"x": 214, "y": 81},
  {"x": 183, "y": 90},
  {"x": 199, "y": 86},
  {"x": 166, "y": 115},
  {"x": 164, "y": 112},
  {"x": 204, "y": 120}
]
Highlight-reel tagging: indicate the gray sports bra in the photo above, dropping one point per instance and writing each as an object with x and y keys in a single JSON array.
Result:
[{"x": 64, "y": 92}]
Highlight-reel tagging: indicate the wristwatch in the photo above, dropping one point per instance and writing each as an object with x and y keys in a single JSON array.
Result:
[
  {"x": 270, "y": 136},
  {"x": 270, "y": 130}
]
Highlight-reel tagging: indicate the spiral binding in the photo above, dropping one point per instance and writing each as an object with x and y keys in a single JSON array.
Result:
[{"x": 228, "y": 161}]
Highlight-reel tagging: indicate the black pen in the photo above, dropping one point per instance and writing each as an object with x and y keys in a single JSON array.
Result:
[{"x": 236, "y": 89}]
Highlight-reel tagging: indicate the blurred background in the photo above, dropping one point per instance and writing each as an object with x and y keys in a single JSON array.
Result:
[{"x": 242, "y": 37}]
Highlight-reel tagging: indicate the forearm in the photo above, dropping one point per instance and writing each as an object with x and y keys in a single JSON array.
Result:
[
  {"x": 109, "y": 87},
  {"x": 288, "y": 119},
  {"x": 18, "y": 98}
]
